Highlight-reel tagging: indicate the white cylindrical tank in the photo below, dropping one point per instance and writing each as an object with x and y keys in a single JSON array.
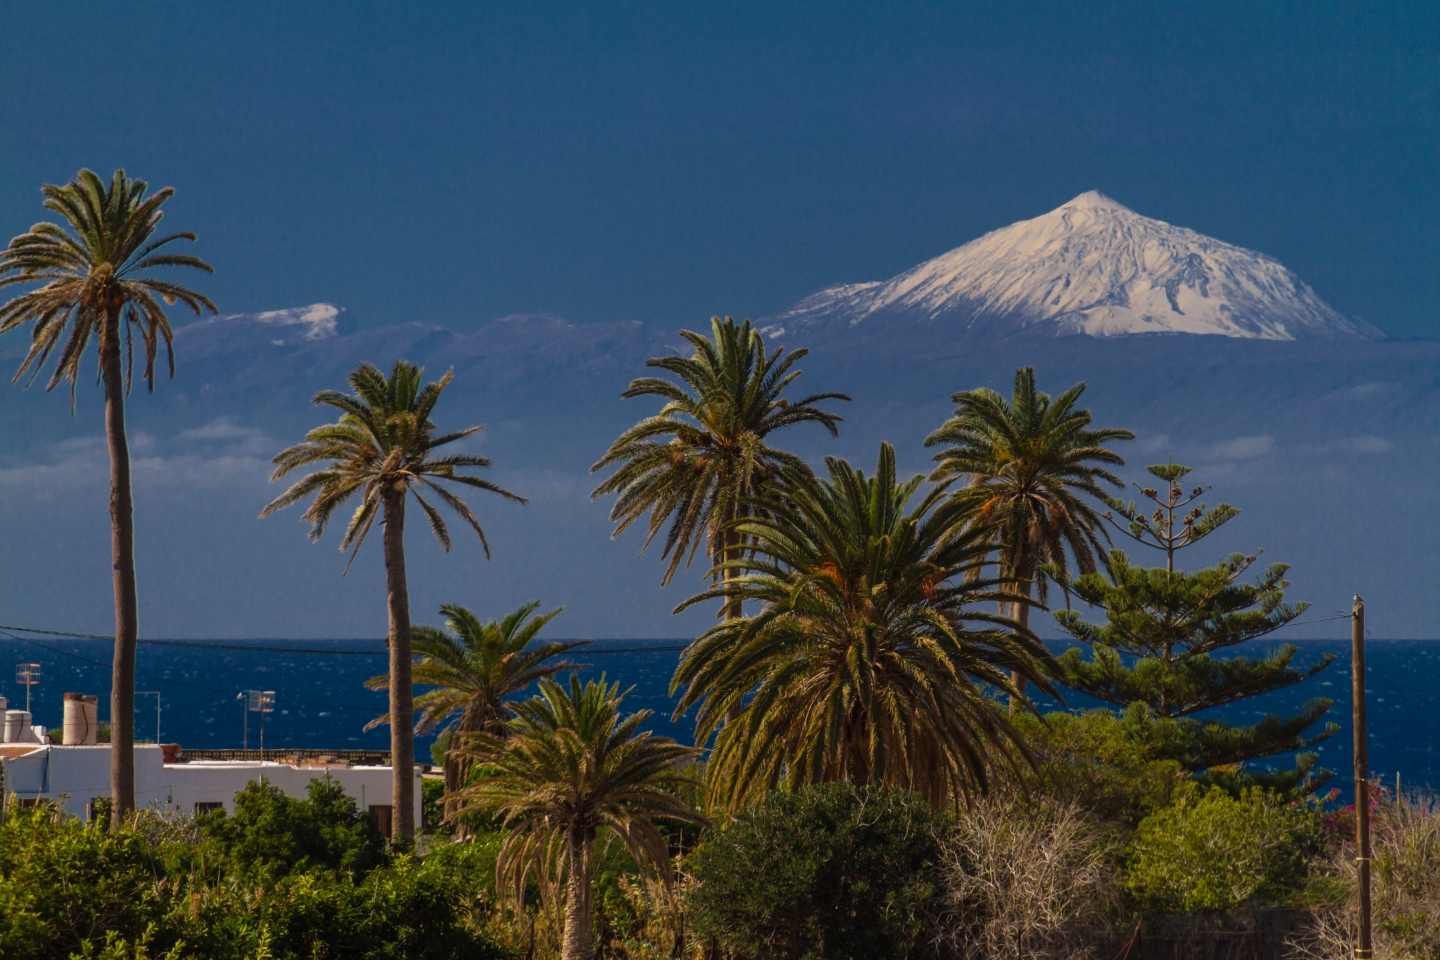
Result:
[
  {"x": 80, "y": 719},
  {"x": 17, "y": 726}
]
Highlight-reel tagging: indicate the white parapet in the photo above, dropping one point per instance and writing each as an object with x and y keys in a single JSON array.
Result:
[{"x": 75, "y": 776}]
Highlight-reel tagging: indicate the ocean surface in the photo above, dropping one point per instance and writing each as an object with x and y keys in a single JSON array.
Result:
[{"x": 321, "y": 701}]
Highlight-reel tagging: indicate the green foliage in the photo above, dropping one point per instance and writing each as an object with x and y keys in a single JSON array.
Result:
[
  {"x": 1118, "y": 766},
  {"x": 271, "y": 833},
  {"x": 719, "y": 418},
  {"x": 568, "y": 767},
  {"x": 833, "y": 871},
  {"x": 1156, "y": 648},
  {"x": 62, "y": 883},
  {"x": 98, "y": 272},
  {"x": 1028, "y": 465},
  {"x": 72, "y": 890},
  {"x": 1211, "y": 851},
  {"x": 871, "y": 649},
  {"x": 432, "y": 807}
]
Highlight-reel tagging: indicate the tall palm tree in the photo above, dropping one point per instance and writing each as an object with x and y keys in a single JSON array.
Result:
[
  {"x": 866, "y": 659},
  {"x": 1028, "y": 463},
  {"x": 570, "y": 767},
  {"x": 473, "y": 670},
  {"x": 718, "y": 419},
  {"x": 382, "y": 448},
  {"x": 97, "y": 281}
]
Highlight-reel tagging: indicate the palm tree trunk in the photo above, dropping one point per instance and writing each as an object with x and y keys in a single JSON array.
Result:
[
  {"x": 729, "y": 550},
  {"x": 1022, "y": 617},
  {"x": 122, "y": 558},
  {"x": 402, "y": 696},
  {"x": 579, "y": 940},
  {"x": 458, "y": 764}
]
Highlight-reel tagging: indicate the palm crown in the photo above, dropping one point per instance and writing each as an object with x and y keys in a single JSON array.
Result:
[
  {"x": 569, "y": 767},
  {"x": 476, "y": 666},
  {"x": 382, "y": 447},
  {"x": 866, "y": 659},
  {"x": 1028, "y": 463},
  {"x": 718, "y": 420},
  {"x": 94, "y": 275}
]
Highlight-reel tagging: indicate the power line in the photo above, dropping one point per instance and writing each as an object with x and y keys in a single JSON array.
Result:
[{"x": 207, "y": 645}]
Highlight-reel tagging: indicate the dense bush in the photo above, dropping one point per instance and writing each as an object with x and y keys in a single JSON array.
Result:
[
  {"x": 1211, "y": 851},
  {"x": 161, "y": 889},
  {"x": 271, "y": 832},
  {"x": 834, "y": 871}
]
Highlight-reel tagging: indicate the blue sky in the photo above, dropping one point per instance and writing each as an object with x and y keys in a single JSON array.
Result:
[{"x": 664, "y": 162}]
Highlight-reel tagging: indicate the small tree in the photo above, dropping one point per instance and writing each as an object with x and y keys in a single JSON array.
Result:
[
  {"x": 1164, "y": 625},
  {"x": 828, "y": 872}
]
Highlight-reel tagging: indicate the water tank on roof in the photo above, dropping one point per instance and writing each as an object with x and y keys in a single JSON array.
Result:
[{"x": 80, "y": 719}]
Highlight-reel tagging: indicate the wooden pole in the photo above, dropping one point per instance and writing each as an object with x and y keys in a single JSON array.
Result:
[{"x": 1363, "y": 949}]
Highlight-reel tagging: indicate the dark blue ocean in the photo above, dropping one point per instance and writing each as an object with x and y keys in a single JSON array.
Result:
[{"x": 322, "y": 703}]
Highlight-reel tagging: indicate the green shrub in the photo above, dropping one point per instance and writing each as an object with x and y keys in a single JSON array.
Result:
[
  {"x": 62, "y": 883},
  {"x": 270, "y": 832},
  {"x": 1118, "y": 766},
  {"x": 72, "y": 890},
  {"x": 835, "y": 871},
  {"x": 1210, "y": 851}
]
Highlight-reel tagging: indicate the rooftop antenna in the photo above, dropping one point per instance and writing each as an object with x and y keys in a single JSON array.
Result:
[
  {"x": 262, "y": 702},
  {"x": 27, "y": 675}
]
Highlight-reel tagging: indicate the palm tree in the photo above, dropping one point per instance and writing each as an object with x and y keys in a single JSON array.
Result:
[
  {"x": 570, "y": 767},
  {"x": 866, "y": 659},
  {"x": 1027, "y": 462},
  {"x": 718, "y": 418},
  {"x": 473, "y": 669},
  {"x": 383, "y": 448},
  {"x": 97, "y": 283}
]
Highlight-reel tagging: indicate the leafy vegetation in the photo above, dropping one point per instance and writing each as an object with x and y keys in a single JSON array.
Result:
[
  {"x": 471, "y": 671},
  {"x": 719, "y": 419},
  {"x": 830, "y": 872},
  {"x": 1162, "y": 628},
  {"x": 570, "y": 767},
  {"x": 1028, "y": 463},
  {"x": 1209, "y": 850},
  {"x": 866, "y": 658}
]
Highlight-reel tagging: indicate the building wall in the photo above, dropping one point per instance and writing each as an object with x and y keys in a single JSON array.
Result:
[{"x": 74, "y": 776}]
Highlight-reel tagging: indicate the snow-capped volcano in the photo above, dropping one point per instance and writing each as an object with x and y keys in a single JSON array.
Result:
[{"x": 1094, "y": 267}]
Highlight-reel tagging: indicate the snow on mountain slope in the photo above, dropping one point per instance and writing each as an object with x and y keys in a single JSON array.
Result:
[{"x": 1092, "y": 267}]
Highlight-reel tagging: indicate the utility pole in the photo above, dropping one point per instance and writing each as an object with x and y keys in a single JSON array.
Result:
[{"x": 1363, "y": 949}]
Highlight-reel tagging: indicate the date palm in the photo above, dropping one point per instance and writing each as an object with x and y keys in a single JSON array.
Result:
[
  {"x": 383, "y": 449},
  {"x": 97, "y": 282},
  {"x": 569, "y": 768},
  {"x": 718, "y": 420},
  {"x": 868, "y": 656},
  {"x": 473, "y": 667},
  {"x": 1028, "y": 464}
]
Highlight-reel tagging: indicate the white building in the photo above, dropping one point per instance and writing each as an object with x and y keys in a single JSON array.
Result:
[{"x": 75, "y": 776}]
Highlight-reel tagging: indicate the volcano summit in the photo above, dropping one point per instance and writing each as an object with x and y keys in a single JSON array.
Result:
[{"x": 1094, "y": 267}]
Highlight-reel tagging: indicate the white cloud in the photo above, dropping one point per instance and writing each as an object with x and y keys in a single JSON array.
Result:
[
  {"x": 221, "y": 428},
  {"x": 1242, "y": 448},
  {"x": 1152, "y": 444},
  {"x": 1365, "y": 443}
]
